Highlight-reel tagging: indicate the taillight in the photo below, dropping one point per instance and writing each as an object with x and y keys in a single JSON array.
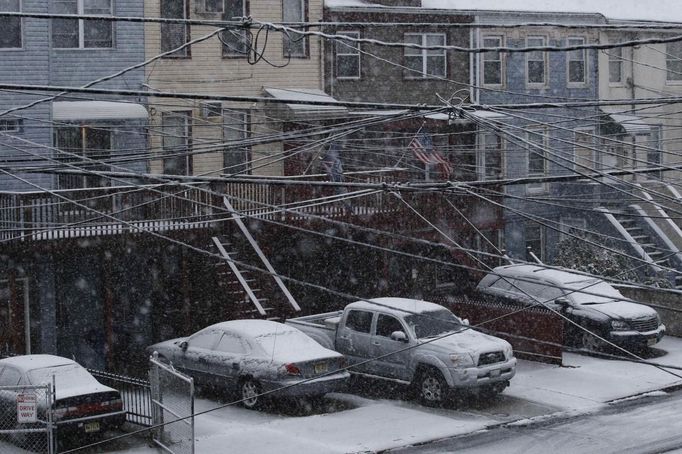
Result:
[{"x": 292, "y": 369}]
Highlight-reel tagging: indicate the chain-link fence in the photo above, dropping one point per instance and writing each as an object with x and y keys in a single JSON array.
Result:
[
  {"x": 172, "y": 406},
  {"x": 26, "y": 419}
]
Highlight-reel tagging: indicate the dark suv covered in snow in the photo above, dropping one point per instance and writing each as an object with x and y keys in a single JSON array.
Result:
[{"x": 591, "y": 303}]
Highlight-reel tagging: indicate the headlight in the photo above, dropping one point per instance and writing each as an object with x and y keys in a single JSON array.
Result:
[
  {"x": 461, "y": 359},
  {"x": 619, "y": 325},
  {"x": 508, "y": 352}
]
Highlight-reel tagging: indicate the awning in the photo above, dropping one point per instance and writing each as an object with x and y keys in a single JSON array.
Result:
[
  {"x": 301, "y": 110},
  {"x": 632, "y": 124},
  {"x": 97, "y": 110}
]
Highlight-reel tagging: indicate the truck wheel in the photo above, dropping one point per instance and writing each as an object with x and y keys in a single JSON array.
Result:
[
  {"x": 432, "y": 389},
  {"x": 249, "y": 390}
]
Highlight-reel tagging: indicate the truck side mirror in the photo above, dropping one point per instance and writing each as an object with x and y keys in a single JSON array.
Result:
[
  {"x": 183, "y": 345},
  {"x": 398, "y": 336}
]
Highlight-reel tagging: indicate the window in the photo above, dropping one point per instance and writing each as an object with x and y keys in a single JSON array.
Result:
[
  {"x": 79, "y": 33},
  {"x": 387, "y": 325},
  {"x": 536, "y": 61},
  {"x": 673, "y": 61},
  {"x": 204, "y": 339},
  {"x": 236, "y": 41},
  {"x": 175, "y": 35},
  {"x": 348, "y": 57},
  {"x": 615, "y": 65},
  {"x": 10, "y": 27},
  {"x": 211, "y": 6},
  {"x": 537, "y": 157},
  {"x": 584, "y": 152},
  {"x": 93, "y": 143},
  {"x": 493, "y": 65},
  {"x": 360, "y": 321},
  {"x": 237, "y": 155},
  {"x": 10, "y": 377},
  {"x": 293, "y": 44},
  {"x": 230, "y": 343},
  {"x": 577, "y": 68},
  {"x": 11, "y": 125},
  {"x": 489, "y": 156},
  {"x": 176, "y": 143},
  {"x": 535, "y": 241},
  {"x": 425, "y": 63}
]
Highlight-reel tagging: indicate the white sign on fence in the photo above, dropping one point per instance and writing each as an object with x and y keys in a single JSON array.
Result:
[{"x": 27, "y": 408}]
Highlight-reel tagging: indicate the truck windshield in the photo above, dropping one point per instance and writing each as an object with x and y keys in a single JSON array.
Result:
[{"x": 433, "y": 323}]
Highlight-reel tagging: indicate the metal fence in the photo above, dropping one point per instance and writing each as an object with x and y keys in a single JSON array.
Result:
[
  {"x": 173, "y": 407},
  {"x": 136, "y": 394},
  {"x": 26, "y": 418}
]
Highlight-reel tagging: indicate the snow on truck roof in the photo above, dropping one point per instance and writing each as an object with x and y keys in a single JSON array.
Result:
[
  {"x": 400, "y": 304},
  {"x": 30, "y": 362}
]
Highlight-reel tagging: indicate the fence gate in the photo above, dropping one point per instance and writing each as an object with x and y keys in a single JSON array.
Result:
[
  {"x": 172, "y": 406},
  {"x": 26, "y": 418}
]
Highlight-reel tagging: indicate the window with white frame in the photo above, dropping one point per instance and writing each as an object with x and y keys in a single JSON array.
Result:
[
  {"x": 176, "y": 142},
  {"x": 673, "y": 61},
  {"x": 174, "y": 35},
  {"x": 94, "y": 143},
  {"x": 237, "y": 154},
  {"x": 571, "y": 226},
  {"x": 537, "y": 157},
  {"x": 576, "y": 62},
  {"x": 493, "y": 62},
  {"x": 536, "y": 61},
  {"x": 80, "y": 33},
  {"x": 294, "y": 44},
  {"x": 615, "y": 65},
  {"x": 535, "y": 241},
  {"x": 236, "y": 41},
  {"x": 348, "y": 56},
  {"x": 489, "y": 156},
  {"x": 584, "y": 151},
  {"x": 425, "y": 63},
  {"x": 15, "y": 125},
  {"x": 10, "y": 27}
]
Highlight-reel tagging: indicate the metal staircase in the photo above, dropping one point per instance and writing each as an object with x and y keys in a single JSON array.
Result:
[
  {"x": 244, "y": 287},
  {"x": 659, "y": 256}
]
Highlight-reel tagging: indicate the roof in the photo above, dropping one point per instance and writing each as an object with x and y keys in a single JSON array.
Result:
[
  {"x": 301, "y": 95},
  {"x": 253, "y": 328},
  {"x": 631, "y": 123},
  {"x": 522, "y": 270},
  {"x": 30, "y": 362},
  {"x": 400, "y": 304},
  {"x": 655, "y": 10},
  {"x": 97, "y": 110}
]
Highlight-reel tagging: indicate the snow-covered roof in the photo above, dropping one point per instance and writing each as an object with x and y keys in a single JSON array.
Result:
[
  {"x": 30, "y": 362},
  {"x": 401, "y": 304},
  {"x": 653, "y": 10},
  {"x": 97, "y": 110},
  {"x": 253, "y": 328},
  {"x": 523, "y": 270},
  {"x": 631, "y": 123}
]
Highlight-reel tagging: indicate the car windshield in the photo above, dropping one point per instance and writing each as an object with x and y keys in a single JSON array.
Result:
[
  {"x": 433, "y": 323},
  {"x": 597, "y": 292},
  {"x": 66, "y": 376}
]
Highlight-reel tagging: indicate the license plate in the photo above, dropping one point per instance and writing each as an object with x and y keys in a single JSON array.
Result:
[
  {"x": 91, "y": 427},
  {"x": 320, "y": 368},
  {"x": 651, "y": 341},
  {"x": 495, "y": 373}
]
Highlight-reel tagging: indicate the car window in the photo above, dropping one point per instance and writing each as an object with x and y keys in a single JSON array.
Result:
[
  {"x": 65, "y": 375},
  {"x": 204, "y": 339},
  {"x": 10, "y": 377},
  {"x": 502, "y": 284},
  {"x": 360, "y": 321},
  {"x": 387, "y": 325},
  {"x": 229, "y": 343}
]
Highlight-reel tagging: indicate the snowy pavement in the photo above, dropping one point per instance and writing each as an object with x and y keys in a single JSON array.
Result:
[{"x": 384, "y": 421}]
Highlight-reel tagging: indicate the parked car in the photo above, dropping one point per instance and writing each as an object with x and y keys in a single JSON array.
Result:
[
  {"x": 82, "y": 405},
  {"x": 256, "y": 356},
  {"x": 414, "y": 342},
  {"x": 589, "y": 302}
]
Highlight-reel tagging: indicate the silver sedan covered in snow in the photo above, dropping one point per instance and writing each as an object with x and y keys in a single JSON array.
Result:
[{"x": 255, "y": 357}]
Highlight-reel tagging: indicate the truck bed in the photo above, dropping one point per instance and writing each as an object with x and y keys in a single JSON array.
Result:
[{"x": 321, "y": 327}]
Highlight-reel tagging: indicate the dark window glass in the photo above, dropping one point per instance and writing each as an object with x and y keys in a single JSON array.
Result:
[
  {"x": 10, "y": 27},
  {"x": 360, "y": 321},
  {"x": 386, "y": 325},
  {"x": 174, "y": 35},
  {"x": 176, "y": 143},
  {"x": 236, "y": 41}
]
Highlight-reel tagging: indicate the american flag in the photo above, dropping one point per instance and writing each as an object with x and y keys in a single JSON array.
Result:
[{"x": 422, "y": 147}]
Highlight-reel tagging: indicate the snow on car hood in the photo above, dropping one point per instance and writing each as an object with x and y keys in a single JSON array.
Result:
[
  {"x": 623, "y": 310},
  {"x": 471, "y": 341}
]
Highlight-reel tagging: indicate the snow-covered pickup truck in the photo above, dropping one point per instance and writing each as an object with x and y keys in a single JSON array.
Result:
[{"x": 414, "y": 342}]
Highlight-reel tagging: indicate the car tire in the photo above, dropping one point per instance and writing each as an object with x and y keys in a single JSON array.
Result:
[
  {"x": 249, "y": 392},
  {"x": 591, "y": 343},
  {"x": 432, "y": 389}
]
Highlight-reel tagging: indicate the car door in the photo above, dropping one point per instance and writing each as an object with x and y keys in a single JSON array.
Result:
[
  {"x": 392, "y": 360},
  {"x": 194, "y": 359},
  {"x": 227, "y": 359},
  {"x": 354, "y": 340}
]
